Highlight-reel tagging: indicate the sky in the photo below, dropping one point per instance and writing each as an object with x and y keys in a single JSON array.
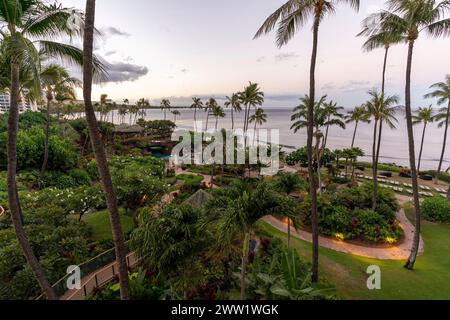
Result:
[{"x": 182, "y": 48}]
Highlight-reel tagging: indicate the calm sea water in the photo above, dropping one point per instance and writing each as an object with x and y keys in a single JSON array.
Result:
[{"x": 394, "y": 147}]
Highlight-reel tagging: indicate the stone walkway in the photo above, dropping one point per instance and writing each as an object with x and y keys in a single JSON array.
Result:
[{"x": 399, "y": 252}]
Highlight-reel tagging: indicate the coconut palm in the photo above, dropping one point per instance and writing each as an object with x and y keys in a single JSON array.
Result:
[
  {"x": 217, "y": 112},
  {"x": 425, "y": 116},
  {"x": 357, "y": 115},
  {"x": 123, "y": 110},
  {"x": 196, "y": 105},
  {"x": 142, "y": 105},
  {"x": 235, "y": 105},
  {"x": 176, "y": 114},
  {"x": 408, "y": 19},
  {"x": 165, "y": 106},
  {"x": 259, "y": 118},
  {"x": 383, "y": 110},
  {"x": 291, "y": 17},
  {"x": 441, "y": 91},
  {"x": 55, "y": 81},
  {"x": 333, "y": 117},
  {"x": 288, "y": 183},
  {"x": 210, "y": 105},
  {"x": 26, "y": 29},
  {"x": 251, "y": 97},
  {"x": 235, "y": 210},
  {"x": 100, "y": 154}
]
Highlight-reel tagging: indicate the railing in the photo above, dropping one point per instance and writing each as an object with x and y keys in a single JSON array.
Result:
[{"x": 93, "y": 273}]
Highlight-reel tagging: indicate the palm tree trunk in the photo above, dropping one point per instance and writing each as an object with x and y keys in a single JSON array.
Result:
[
  {"x": 421, "y": 146},
  {"x": 354, "y": 134},
  {"x": 254, "y": 134},
  {"x": 444, "y": 144},
  {"x": 377, "y": 159},
  {"x": 232, "y": 118},
  {"x": 374, "y": 168},
  {"x": 383, "y": 81},
  {"x": 412, "y": 158},
  {"x": 13, "y": 198},
  {"x": 312, "y": 179},
  {"x": 245, "y": 248},
  {"x": 207, "y": 121},
  {"x": 100, "y": 153},
  {"x": 46, "y": 138},
  {"x": 195, "y": 119}
]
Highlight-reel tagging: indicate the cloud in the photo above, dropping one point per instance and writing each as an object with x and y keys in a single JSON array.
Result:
[
  {"x": 113, "y": 31},
  {"x": 286, "y": 56},
  {"x": 328, "y": 86},
  {"x": 352, "y": 86},
  {"x": 261, "y": 59},
  {"x": 184, "y": 70},
  {"x": 122, "y": 72}
]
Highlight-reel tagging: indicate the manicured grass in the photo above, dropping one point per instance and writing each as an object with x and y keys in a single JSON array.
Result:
[
  {"x": 101, "y": 227},
  {"x": 430, "y": 279}
]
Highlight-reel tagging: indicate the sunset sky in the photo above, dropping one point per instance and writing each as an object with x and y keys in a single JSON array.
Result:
[{"x": 180, "y": 48}]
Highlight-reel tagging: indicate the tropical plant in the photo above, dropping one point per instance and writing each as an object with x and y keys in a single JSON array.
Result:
[
  {"x": 357, "y": 115},
  {"x": 176, "y": 113},
  {"x": 442, "y": 94},
  {"x": 210, "y": 105},
  {"x": 425, "y": 116},
  {"x": 251, "y": 97},
  {"x": 27, "y": 26},
  {"x": 165, "y": 106},
  {"x": 235, "y": 210},
  {"x": 99, "y": 150},
  {"x": 196, "y": 105},
  {"x": 333, "y": 117},
  {"x": 291, "y": 17},
  {"x": 235, "y": 106},
  {"x": 407, "y": 19},
  {"x": 218, "y": 112},
  {"x": 259, "y": 118},
  {"x": 383, "y": 109}
]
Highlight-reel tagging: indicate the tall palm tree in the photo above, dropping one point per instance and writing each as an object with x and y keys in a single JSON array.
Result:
[
  {"x": 55, "y": 80},
  {"x": 333, "y": 117},
  {"x": 100, "y": 154},
  {"x": 441, "y": 91},
  {"x": 425, "y": 116},
  {"x": 196, "y": 105},
  {"x": 165, "y": 106},
  {"x": 26, "y": 27},
  {"x": 235, "y": 210},
  {"x": 218, "y": 112},
  {"x": 210, "y": 105},
  {"x": 290, "y": 17},
  {"x": 142, "y": 105},
  {"x": 259, "y": 118},
  {"x": 235, "y": 105},
  {"x": 408, "y": 19},
  {"x": 383, "y": 110},
  {"x": 176, "y": 114},
  {"x": 357, "y": 115},
  {"x": 251, "y": 97}
]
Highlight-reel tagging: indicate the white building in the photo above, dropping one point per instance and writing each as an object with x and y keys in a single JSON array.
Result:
[{"x": 23, "y": 106}]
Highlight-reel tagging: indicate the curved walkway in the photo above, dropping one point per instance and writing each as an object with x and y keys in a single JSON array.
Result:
[{"x": 399, "y": 252}]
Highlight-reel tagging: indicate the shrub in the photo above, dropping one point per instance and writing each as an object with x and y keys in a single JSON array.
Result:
[{"x": 436, "y": 209}]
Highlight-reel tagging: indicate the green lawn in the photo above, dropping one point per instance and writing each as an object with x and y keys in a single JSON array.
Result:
[
  {"x": 430, "y": 279},
  {"x": 101, "y": 227}
]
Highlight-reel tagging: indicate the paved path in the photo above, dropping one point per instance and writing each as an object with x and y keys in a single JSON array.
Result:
[{"x": 399, "y": 252}]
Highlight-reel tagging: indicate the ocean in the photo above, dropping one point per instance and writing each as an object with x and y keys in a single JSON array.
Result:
[{"x": 394, "y": 146}]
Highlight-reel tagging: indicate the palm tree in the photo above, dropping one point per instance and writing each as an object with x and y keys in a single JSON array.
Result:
[
  {"x": 290, "y": 17},
  {"x": 176, "y": 114},
  {"x": 334, "y": 117},
  {"x": 358, "y": 115},
  {"x": 100, "y": 154},
  {"x": 442, "y": 93},
  {"x": 235, "y": 210},
  {"x": 251, "y": 97},
  {"x": 235, "y": 105},
  {"x": 209, "y": 107},
  {"x": 26, "y": 26},
  {"x": 259, "y": 118},
  {"x": 142, "y": 105},
  {"x": 407, "y": 19},
  {"x": 425, "y": 116},
  {"x": 196, "y": 105},
  {"x": 217, "y": 112},
  {"x": 165, "y": 106},
  {"x": 55, "y": 80},
  {"x": 383, "y": 110}
]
